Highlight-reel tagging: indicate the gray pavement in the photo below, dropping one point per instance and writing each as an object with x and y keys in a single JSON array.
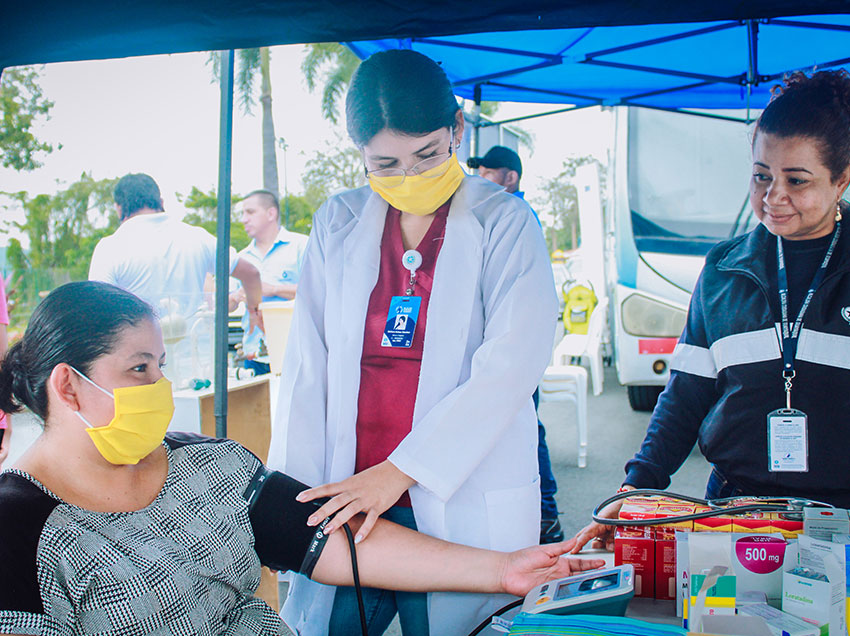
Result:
[{"x": 614, "y": 435}]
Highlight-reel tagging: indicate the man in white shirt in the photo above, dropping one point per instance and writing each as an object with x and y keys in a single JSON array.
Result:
[
  {"x": 276, "y": 252},
  {"x": 164, "y": 261}
]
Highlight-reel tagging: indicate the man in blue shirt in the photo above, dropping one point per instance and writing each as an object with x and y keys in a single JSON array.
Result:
[
  {"x": 277, "y": 253},
  {"x": 502, "y": 165}
]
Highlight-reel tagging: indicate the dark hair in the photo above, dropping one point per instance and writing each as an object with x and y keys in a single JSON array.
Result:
[
  {"x": 76, "y": 324},
  {"x": 268, "y": 198},
  {"x": 134, "y": 192},
  {"x": 400, "y": 90},
  {"x": 816, "y": 106}
]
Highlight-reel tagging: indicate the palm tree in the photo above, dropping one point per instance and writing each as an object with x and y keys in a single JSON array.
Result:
[
  {"x": 336, "y": 64},
  {"x": 250, "y": 63}
]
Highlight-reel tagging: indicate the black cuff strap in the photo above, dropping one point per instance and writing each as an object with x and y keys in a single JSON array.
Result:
[{"x": 282, "y": 538}]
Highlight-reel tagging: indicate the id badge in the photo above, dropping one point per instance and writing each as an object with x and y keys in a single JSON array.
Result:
[
  {"x": 401, "y": 321},
  {"x": 787, "y": 441}
]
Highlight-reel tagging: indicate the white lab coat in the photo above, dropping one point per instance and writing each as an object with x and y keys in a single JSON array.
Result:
[{"x": 473, "y": 444}]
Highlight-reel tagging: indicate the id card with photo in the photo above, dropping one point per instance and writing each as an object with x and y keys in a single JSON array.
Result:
[
  {"x": 788, "y": 441},
  {"x": 401, "y": 321}
]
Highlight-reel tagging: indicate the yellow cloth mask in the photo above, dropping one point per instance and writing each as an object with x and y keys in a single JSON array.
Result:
[
  {"x": 420, "y": 194},
  {"x": 142, "y": 415}
]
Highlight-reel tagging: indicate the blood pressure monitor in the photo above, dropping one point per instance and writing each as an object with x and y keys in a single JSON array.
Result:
[{"x": 605, "y": 592}]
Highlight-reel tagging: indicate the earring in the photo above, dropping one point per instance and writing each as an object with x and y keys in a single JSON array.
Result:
[{"x": 837, "y": 212}]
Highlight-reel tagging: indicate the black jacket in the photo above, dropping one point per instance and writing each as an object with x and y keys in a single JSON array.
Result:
[{"x": 726, "y": 377}]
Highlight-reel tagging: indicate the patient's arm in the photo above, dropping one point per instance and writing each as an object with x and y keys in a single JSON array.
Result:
[{"x": 396, "y": 558}]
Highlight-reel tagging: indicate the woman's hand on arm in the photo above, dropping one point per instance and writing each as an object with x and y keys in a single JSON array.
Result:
[
  {"x": 371, "y": 492},
  {"x": 597, "y": 532},
  {"x": 397, "y": 558}
]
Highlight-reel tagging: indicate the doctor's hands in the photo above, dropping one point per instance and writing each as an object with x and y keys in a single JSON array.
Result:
[
  {"x": 371, "y": 492},
  {"x": 524, "y": 569},
  {"x": 601, "y": 535}
]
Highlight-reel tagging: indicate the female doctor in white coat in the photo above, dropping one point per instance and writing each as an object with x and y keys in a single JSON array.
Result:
[{"x": 425, "y": 318}]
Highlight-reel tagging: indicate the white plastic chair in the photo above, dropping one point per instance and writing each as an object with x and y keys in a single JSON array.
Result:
[
  {"x": 569, "y": 383},
  {"x": 589, "y": 345}
]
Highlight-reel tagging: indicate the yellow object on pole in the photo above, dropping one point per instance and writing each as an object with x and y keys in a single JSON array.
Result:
[{"x": 579, "y": 302}]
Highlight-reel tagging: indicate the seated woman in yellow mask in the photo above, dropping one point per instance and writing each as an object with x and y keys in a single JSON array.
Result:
[
  {"x": 109, "y": 525},
  {"x": 425, "y": 318}
]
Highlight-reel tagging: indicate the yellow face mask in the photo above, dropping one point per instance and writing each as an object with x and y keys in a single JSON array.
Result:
[
  {"x": 420, "y": 194},
  {"x": 142, "y": 415}
]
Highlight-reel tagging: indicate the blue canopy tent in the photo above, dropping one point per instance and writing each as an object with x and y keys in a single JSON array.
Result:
[
  {"x": 56, "y": 31},
  {"x": 728, "y": 64}
]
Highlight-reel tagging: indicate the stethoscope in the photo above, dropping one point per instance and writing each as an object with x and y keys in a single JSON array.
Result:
[{"x": 790, "y": 507}]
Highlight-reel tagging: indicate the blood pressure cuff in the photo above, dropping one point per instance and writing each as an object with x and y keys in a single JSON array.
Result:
[{"x": 282, "y": 538}]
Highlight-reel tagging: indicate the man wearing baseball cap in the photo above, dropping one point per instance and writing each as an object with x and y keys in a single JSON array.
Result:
[{"x": 502, "y": 165}]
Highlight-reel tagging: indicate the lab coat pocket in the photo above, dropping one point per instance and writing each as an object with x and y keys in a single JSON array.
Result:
[{"x": 513, "y": 516}]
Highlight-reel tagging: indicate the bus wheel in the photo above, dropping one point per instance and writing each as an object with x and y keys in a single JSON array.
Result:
[{"x": 643, "y": 398}]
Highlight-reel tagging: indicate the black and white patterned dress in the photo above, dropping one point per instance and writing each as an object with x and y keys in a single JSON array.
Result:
[{"x": 184, "y": 565}]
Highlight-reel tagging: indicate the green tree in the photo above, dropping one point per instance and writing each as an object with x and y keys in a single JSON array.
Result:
[
  {"x": 62, "y": 230},
  {"x": 251, "y": 65},
  {"x": 300, "y": 213},
  {"x": 21, "y": 104},
  {"x": 333, "y": 64},
  {"x": 338, "y": 167},
  {"x": 203, "y": 210},
  {"x": 560, "y": 200}
]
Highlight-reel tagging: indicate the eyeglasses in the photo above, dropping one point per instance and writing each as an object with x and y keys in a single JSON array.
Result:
[{"x": 435, "y": 166}]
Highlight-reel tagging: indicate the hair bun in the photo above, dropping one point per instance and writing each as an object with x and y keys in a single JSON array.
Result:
[{"x": 14, "y": 384}]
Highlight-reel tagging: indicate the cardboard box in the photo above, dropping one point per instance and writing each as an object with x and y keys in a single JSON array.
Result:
[
  {"x": 638, "y": 548},
  {"x": 757, "y": 560},
  {"x": 720, "y": 523},
  {"x": 844, "y": 539},
  {"x": 822, "y": 523},
  {"x": 788, "y": 528},
  {"x": 665, "y": 565},
  {"x": 816, "y": 591},
  {"x": 719, "y": 600},
  {"x": 752, "y": 522},
  {"x": 683, "y": 576},
  {"x": 780, "y": 623},
  {"x": 812, "y": 600},
  {"x": 675, "y": 510}
]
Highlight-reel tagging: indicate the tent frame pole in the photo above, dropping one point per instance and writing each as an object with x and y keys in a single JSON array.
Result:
[{"x": 222, "y": 257}]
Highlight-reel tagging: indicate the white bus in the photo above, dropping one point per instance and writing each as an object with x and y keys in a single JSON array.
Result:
[{"x": 680, "y": 184}]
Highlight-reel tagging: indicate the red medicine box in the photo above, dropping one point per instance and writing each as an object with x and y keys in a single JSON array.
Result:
[
  {"x": 637, "y": 546},
  {"x": 665, "y": 565},
  {"x": 639, "y": 508}
]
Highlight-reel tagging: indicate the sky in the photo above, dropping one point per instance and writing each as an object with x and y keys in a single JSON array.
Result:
[{"x": 160, "y": 115}]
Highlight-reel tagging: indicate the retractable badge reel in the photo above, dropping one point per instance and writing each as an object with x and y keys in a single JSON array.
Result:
[{"x": 404, "y": 310}]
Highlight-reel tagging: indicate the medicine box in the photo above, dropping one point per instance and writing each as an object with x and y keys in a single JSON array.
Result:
[
  {"x": 665, "y": 565},
  {"x": 758, "y": 561},
  {"x": 752, "y": 522},
  {"x": 778, "y": 622},
  {"x": 789, "y": 528},
  {"x": 720, "y": 523},
  {"x": 674, "y": 510},
  {"x": 844, "y": 539},
  {"x": 810, "y": 596},
  {"x": 719, "y": 598},
  {"x": 636, "y": 546},
  {"x": 822, "y": 523}
]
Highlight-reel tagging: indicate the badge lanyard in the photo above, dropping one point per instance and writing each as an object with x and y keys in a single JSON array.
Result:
[
  {"x": 790, "y": 334},
  {"x": 788, "y": 428},
  {"x": 404, "y": 310}
]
